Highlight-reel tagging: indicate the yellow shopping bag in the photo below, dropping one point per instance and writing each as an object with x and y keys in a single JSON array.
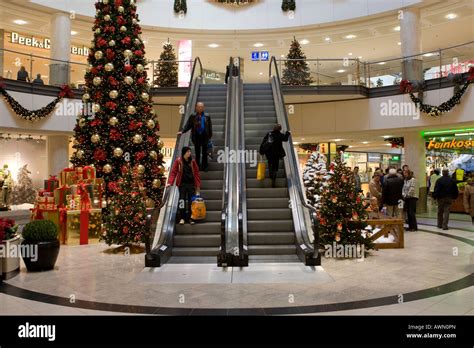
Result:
[
  {"x": 198, "y": 209},
  {"x": 261, "y": 170}
]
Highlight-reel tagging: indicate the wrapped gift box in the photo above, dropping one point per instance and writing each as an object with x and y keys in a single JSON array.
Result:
[
  {"x": 67, "y": 176},
  {"x": 73, "y": 201},
  {"x": 90, "y": 231},
  {"x": 51, "y": 184},
  {"x": 60, "y": 195},
  {"x": 89, "y": 174}
]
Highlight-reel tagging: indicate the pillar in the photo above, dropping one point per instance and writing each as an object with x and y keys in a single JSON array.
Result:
[
  {"x": 415, "y": 157},
  {"x": 410, "y": 38},
  {"x": 58, "y": 153},
  {"x": 2, "y": 53},
  {"x": 60, "y": 49}
]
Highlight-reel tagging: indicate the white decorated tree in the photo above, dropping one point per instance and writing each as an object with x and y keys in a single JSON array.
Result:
[
  {"x": 315, "y": 178},
  {"x": 23, "y": 191}
]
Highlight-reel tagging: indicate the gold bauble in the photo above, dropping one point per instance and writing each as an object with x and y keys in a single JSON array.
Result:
[
  {"x": 95, "y": 107},
  {"x": 113, "y": 121},
  {"x": 97, "y": 31},
  {"x": 150, "y": 203},
  {"x": 160, "y": 144},
  {"x": 137, "y": 41},
  {"x": 118, "y": 152},
  {"x": 127, "y": 54},
  {"x": 107, "y": 168},
  {"x": 134, "y": 21},
  {"x": 79, "y": 154},
  {"x": 106, "y": 18},
  {"x": 105, "y": 2},
  {"x": 150, "y": 124},
  {"x": 140, "y": 68},
  {"x": 128, "y": 80},
  {"x": 98, "y": 55},
  {"x": 153, "y": 154},
  {"x": 95, "y": 138},
  {"x": 97, "y": 81},
  {"x": 113, "y": 94},
  {"x": 123, "y": 28},
  {"x": 121, "y": 9},
  {"x": 82, "y": 122},
  {"x": 88, "y": 68},
  {"x": 141, "y": 169},
  {"x": 86, "y": 97},
  {"x": 112, "y": 43},
  {"x": 131, "y": 110},
  {"x": 109, "y": 67},
  {"x": 137, "y": 139},
  {"x": 156, "y": 183},
  {"x": 145, "y": 96},
  {"x": 161, "y": 169}
]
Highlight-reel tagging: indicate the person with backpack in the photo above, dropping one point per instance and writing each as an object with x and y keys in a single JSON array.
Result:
[
  {"x": 185, "y": 171},
  {"x": 445, "y": 192},
  {"x": 272, "y": 148}
]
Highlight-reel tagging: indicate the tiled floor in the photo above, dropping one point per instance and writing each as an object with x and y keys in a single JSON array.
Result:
[{"x": 90, "y": 273}]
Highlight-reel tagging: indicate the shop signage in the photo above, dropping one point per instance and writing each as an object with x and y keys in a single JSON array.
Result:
[
  {"x": 43, "y": 43},
  {"x": 323, "y": 148},
  {"x": 451, "y": 144},
  {"x": 374, "y": 157},
  {"x": 260, "y": 55},
  {"x": 264, "y": 55},
  {"x": 255, "y": 56}
]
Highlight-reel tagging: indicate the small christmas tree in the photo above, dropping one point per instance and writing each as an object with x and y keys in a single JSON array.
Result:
[
  {"x": 342, "y": 215},
  {"x": 125, "y": 223},
  {"x": 296, "y": 72},
  {"x": 167, "y": 68},
  {"x": 23, "y": 191},
  {"x": 315, "y": 178}
]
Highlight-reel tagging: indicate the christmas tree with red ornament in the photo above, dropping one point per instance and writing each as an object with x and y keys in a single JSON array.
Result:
[
  {"x": 118, "y": 126},
  {"x": 342, "y": 213}
]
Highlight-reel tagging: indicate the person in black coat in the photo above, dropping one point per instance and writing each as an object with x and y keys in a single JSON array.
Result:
[
  {"x": 200, "y": 125},
  {"x": 445, "y": 192},
  {"x": 392, "y": 193},
  {"x": 272, "y": 148}
]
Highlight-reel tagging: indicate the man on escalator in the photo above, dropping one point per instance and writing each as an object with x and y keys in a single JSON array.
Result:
[
  {"x": 201, "y": 132},
  {"x": 272, "y": 148}
]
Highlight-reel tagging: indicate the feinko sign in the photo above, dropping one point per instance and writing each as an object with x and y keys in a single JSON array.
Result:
[
  {"x": 43, "y": 43},
  {"x": 451, "y": 144}
]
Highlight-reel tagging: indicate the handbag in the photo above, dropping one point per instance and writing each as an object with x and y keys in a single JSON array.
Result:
[
  {"x": 210, "y": 148},
  {"x": 267, "y": 144},
  {"x": 261, "y": 169},
  {"x": 198, "y": 209}
]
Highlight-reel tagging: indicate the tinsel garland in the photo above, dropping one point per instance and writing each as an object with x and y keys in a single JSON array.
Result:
[
  {"x": 435, "y": 111},
  {"x": 39, "y": 114}
]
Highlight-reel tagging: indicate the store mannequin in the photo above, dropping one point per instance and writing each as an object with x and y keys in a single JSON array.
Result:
[{"x": 6, "y": 184}]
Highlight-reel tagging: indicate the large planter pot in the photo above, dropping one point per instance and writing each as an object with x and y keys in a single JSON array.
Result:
[
  {"x": 47, "y": 254},
  {"x": 10, "y": 262}
]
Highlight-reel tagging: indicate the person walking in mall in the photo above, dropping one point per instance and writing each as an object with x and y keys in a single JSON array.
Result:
[
  {"x": 410, "y": 196},
  {"x": 432, "y": 181},
  {"x": 200, "y": 125},
  {"x": 357, "y": 183},
  {"x": 186, "y": 173},
  {"x": 38, "y": 80},
  {"x": 272, "y": 148},
  {"x": 375, "y": 188},
  {"x": 22, "y": 75},
  {"x": 392, "y": 193},
  {"x": 445, "y": 192},
  {"x": 469, "y": 198}
]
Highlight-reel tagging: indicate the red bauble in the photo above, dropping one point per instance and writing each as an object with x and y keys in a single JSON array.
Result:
[
  {"x": 132, "y": 125},
  {"x": 112, "y": 186},
  {"x": 127, "y": 41},
  {"x": 111, "y": 105},
  {"x": 94, "y": 71},
  {"x": 139, "y": 155},
  {"x": 121, "y": 21},
  {"x": 138, "y": 53},
  {"x": 100, "y": 155},
  {"x": 101, "y": 42},
  {"x": 98, "y": 95},
  {"x": 113, "y": 81},
  {"x": 130, "y": 96},
  {"x": 110, "y": 54},
  {"x": 125, "y": 229},
  {"x": 146, "y": 109},
  {"x": 96, "y": 123},
  {"x": 151, "y": 140},
  {"x": 118, "y": 3},
  {"x": 128, "y": 68},
  {"x": 141, "y": 81},
  {"x": 115, "y": 134}
]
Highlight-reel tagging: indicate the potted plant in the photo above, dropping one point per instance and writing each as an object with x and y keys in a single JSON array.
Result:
[
  {"x": 40, "y": 246},
  {"x": 9, "y": 242}
]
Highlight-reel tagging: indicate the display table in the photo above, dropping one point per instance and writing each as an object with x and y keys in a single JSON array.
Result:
[{"x": 382, "y": 228}]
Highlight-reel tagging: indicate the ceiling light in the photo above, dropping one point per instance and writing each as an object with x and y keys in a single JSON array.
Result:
[
  {"x": 350, "y": 146},
  {"x": 213, "y": 45},
  {"x": 397, "y": 28},
  {"x": 258, "y": 44},
  {"x": 73, "y": 32},
  {"x": 429, "y": 54},
  {"x": 295, "y": 143},
  {"x": 388, "y": 144},
  {"x": 382, "y": 63},
  {"x": 283, "y": 56},
  {"x": 386, "y": 136},
  {"x": 360, "y": 57},
  {"x": 365, "y": 142},
  {"x": 303, "y": 139},
  {"x": 304, "y": 42},
  {"x": 399, "y": 43},
  {"x": 261, "y": 73},
  {"x": 327, "y": 39},
  {"x": 451, "y": 16},
  {"x": 336, "y": 140},
  {"x": 350, "y": 36},
  {"x": 20, "y": 22},
  {"x": 340, "y": 71},
  {"x": 349, "y": 54}
]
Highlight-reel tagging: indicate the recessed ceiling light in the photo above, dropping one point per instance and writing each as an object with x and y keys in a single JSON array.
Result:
[
  {"x": 258, "y": 44},
  {"x": 360, "y": 57},
  {"x": 386, "y": 136},
  {"x": 365, "y": 142},
  {"x": 382, "y": 63},
  {"x": 73, "y": 32},
  {"x": 304, "y": 42},
  {"x": 336, "y": 140},
  {"x": 261, "y": 73},
  {"x": 303, "y": 139},
  {"x": 350, "y": 146},
  {"x": 349, "y": 54},
  {"x": 451, "y": 16},
  {"x": 213, "y": 45},
  {"x": 397, "y": 28},
  {"x": 399, "y": 43},
  {"x": 340, "y": 71},
  {"x": 283, "y": 56},
  {"x": 295, "y": 143},
  {"x": 20, "y": 22},
  {"x": 350, "y": 36},
  {"x": 327, "y": 39},
  {"x": 388, "y": 144}
]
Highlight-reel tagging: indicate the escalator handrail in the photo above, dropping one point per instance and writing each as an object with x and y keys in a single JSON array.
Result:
[{"x": 291, "y": 156}]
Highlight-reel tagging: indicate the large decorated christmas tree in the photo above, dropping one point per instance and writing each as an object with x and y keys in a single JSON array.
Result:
[
  {"x": 342, "y": 213},
  {"x": 296, "y": 71},
  {"x": 167, "y": 68},
  {"x": 121, "y": 127}
]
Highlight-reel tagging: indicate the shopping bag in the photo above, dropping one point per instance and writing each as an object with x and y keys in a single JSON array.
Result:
[
  {"x": 261, "y": 170},
  {"x": 198, "y": 209},
  {"x": 210, "y": 148}
]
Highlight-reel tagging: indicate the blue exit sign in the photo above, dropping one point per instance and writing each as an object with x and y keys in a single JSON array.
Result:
[
  {"x": 255, "y": 56},
  {"x": 264, "y": 55}
]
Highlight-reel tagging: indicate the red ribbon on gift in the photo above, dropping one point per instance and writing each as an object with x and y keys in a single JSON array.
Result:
[
  {"x": 88, "y": 172},
  {"x": 63, "y": 224},
  {"x": 84, "y": 229},
  {"x": 62, "y": 195},
  {"x": 85, "y": 199}
]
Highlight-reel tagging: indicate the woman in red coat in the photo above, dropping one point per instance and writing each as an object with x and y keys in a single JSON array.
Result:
[{"x": 186, "y": 173}]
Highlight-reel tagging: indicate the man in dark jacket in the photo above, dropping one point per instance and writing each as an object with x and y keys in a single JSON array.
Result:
[
  {"x": 272, "y": 148},
  {"x": 201, "y": 132},
  {"x": 392, "y": 193},
  {"x": 445, "y": 192}
]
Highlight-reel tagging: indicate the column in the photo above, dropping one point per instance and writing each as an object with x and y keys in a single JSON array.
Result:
[
  {"x": 2, "y": 53},
  {"x": 415, "y": 157},
  {"x": 410, "y": 37},
  {"x": 58, "y": 153},
  {"x": 60, "y": 49}
]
